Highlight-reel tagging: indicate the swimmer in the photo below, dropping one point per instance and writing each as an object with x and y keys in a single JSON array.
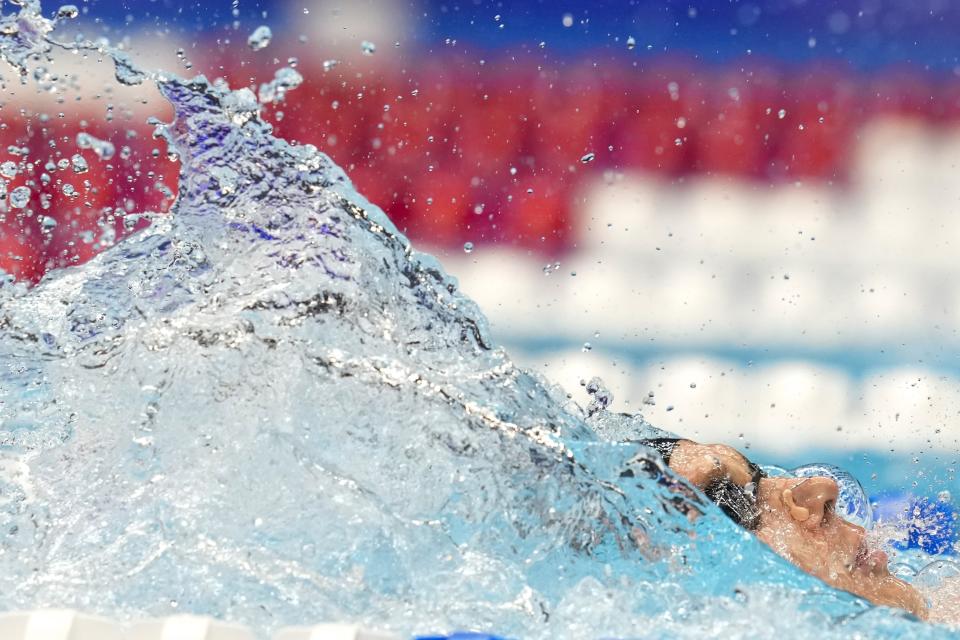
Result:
[{"x": 795, "y": 517}]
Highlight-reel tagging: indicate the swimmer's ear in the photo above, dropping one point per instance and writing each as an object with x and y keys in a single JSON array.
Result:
[{"x": 798, "y": 513}]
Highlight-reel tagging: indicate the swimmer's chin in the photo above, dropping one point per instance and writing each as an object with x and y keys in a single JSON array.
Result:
[{"x": 872, "y": 562}]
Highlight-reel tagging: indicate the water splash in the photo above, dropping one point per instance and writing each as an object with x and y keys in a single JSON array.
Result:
[
  {"x": 24, "y": 34},
  {"x": 260, "y": 38},
  {"x": 127, "y": 73},
  {"x": 285, "y": 79},
  {"x": 103, "y": 148},
  {"x": 269, "y": 407},
  {"x": 20, "y": 197}
]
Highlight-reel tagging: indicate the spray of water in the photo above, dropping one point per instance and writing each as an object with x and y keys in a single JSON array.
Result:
[{"x": 268, "y": 407}]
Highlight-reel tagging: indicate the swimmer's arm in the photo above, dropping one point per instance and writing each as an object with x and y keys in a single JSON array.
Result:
[{"x": 704, "y": 464}]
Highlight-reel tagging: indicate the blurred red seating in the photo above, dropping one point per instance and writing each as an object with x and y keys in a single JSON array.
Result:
[
  {"x": 657, "y": 122},
  {"x": 819, "y": 129},
  {"x": 730, "y": 138},
  {"x": 20, "y": 254},
  {"x": 567, "y": 118},
  {"x": 439, "y": 203},
  {"x": 536, "y": 214},
  {"x": 456, "y": 150},
  {"x": 490, "y": 129}
]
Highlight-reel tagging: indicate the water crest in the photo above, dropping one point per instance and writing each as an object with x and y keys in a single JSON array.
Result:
[{"x": 268, "y": 407}]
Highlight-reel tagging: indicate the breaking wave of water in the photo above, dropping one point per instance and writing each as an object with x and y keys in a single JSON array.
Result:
[{"x": 267, "y": 407}]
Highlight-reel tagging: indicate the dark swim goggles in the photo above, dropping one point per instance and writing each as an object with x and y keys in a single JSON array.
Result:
[{"x": 738, "y": 502}]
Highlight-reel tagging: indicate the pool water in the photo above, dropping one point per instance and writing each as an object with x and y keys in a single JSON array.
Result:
[{"x": 270, "y": 408}]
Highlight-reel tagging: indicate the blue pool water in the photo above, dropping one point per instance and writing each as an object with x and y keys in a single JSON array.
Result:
[{"x": 268, "y": 407}]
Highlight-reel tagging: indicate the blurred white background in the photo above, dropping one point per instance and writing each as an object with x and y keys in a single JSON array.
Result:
[{"x": 780, "y": 316}]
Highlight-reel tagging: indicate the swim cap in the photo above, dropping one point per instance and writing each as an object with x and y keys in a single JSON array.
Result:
[
  {"x": 852, "y": 503},
  {"x": 738, "y": 503}
]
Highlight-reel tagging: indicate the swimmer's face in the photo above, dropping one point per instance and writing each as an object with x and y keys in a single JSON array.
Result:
[{"x": 798, "y": 521}]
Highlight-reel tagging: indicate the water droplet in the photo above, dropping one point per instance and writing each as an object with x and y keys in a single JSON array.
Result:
[
  {"x": 130, "y": 221},
  {"x": 600, "y": 396},
  {"x": 48, "y": 223},
  {"x": 284, "y": 80},
  {"x": 260, "y": 38},
  {"x": 693, "y": 385},
  {"x": 368, "y": 48},
  {"x": 20, "y": 197},
  {"x": 567, "y": 20},
  {"x": 69, "y": 190},
  {"x": 68, "y": 12},
  {"x": 631, "y": 43},
  {"x": 467, "y": 247},
  {"x": 79, "y": 163},
  {"x": 588, "y": 157},
  {"x": 586, "y": 347},
  {"x": 8, "y": 169},
  {"x": 782, "y": 114},
  {"x": 102, "y": 148},
  {"x": 241, "y": 105}
]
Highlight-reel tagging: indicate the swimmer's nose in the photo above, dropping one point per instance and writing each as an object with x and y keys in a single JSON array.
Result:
[{"x": 811, "y": 501}]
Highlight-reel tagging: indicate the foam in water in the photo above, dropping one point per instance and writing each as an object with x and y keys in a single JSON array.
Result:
[{"x": 268, "y": 407}]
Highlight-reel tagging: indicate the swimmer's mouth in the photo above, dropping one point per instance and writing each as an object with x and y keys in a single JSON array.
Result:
[{"x": 868, "y": 559}]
